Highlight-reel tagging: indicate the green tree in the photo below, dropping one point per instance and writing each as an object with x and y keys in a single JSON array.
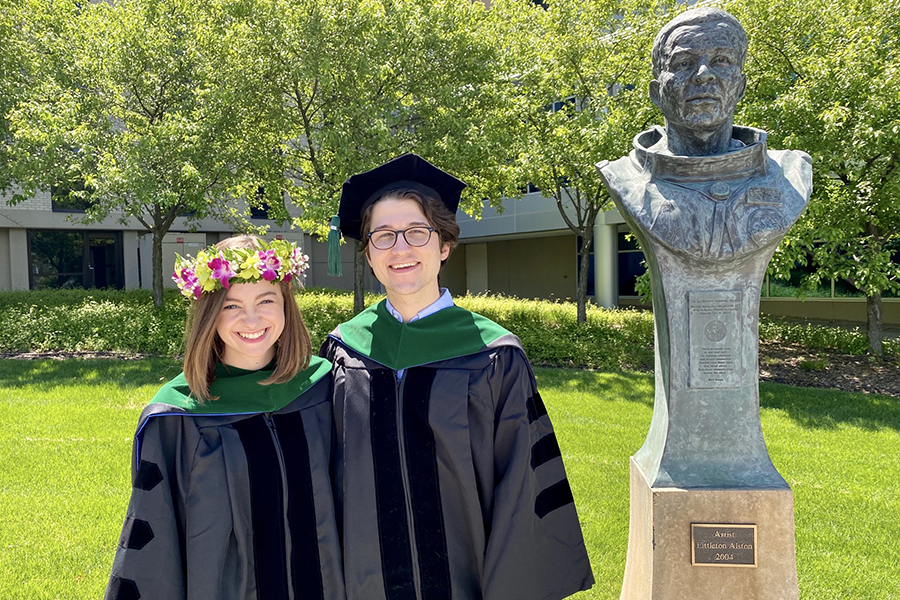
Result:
[
  {"x": 582, "y": 68},
  {"x": 9, "y": 66},
  {"x": 128, "y": 104},
  {"x": 14, "y": 70},
  {"x": 353, "y": 83},
  {"x": 823, "y": 78}
]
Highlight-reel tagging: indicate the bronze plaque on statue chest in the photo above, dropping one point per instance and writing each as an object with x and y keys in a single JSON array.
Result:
[
  {"x": 723, "y": 545},
  {"x": 715, "y": 339}
]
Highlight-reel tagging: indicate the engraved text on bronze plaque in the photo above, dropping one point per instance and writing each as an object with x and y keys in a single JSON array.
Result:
[
  {"x": 715, "y": 339},
  {"x": 723, "y": 545}
]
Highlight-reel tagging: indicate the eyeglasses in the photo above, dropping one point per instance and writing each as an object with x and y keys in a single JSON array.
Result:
[{"x": 384, "y": 239}]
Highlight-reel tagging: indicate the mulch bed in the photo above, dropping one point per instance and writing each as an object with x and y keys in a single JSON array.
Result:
[
  {"x": 68, "y": 355},
  {"x": 799, "y": 366}
]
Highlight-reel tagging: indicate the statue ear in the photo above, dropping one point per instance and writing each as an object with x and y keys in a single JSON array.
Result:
[
  {"x": 743, "y": 85},
  {"x": 654, "y": 92}
]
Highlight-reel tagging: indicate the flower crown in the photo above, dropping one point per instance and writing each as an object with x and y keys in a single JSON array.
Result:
[{"x": 216, "y": 269}]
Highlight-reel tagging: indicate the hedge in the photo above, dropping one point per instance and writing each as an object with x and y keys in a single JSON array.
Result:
[{"x": 127, "y": 322}]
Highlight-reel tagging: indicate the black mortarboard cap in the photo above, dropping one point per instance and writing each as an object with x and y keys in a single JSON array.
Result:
[{"x": 406, "y": 171}]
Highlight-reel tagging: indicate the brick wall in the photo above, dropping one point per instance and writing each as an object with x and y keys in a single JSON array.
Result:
[{"x": 40, "y": 201}]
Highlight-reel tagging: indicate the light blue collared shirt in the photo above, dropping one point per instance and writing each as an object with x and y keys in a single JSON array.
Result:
[{"x": 444, "y": 301}]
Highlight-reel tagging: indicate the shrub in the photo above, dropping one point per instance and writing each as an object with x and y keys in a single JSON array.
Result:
[
  {"x": 92, "y": 320},
  {"x": 127, "y": 322},
  {"x": 840, "y": 339},
  {"x": 551, "y": 334},
  {"x": 324, "y": 309}
]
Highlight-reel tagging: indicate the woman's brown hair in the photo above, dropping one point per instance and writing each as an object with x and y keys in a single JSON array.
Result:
[{"x": 204, "y": 347}]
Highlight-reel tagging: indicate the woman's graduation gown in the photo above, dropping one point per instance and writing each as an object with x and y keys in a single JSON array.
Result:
[{"x": 232, "y": 498}]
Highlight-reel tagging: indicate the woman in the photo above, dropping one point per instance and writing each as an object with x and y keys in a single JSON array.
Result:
[{"x": 231, "y": 490}]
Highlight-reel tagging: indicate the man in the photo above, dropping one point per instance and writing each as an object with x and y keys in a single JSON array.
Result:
[
  {"x": 449, "y": 480},
  {"x": 702, "y": 185}
]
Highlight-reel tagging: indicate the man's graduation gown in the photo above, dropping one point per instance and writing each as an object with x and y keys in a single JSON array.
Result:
[
  {"x": 449, "y": 481},
  {"x": 232, "y": 498}
]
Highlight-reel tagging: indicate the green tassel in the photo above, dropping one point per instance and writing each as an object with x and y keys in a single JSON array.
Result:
[{"x": 334, "y": 247}]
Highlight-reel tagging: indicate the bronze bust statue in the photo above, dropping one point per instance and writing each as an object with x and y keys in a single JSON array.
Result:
[
  {"x": 709, "y": 203},
  {"x": 700, "y": 185}
]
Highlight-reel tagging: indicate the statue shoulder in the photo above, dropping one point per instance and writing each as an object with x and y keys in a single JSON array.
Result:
[
  {"x": 792, "y": 159},
  {"x": 796, "y": 167},
  {"x": 626, "y": 182},
  {"x": 619, "y": 172}
]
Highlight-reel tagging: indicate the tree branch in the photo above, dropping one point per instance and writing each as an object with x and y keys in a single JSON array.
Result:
[
  {"x": 780, "y": 50},
  {"x": 150, "y": 115}
]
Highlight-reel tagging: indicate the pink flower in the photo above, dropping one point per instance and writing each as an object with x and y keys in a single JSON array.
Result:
[
  {"x": 268, "y": 265},
  {"x": 188, "y": 283},
  {"x": 221, "y": 270},
  {"x": 298, "y": 262}
]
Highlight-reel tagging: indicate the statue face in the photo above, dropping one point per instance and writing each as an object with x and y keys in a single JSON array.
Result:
[{"x": 701, "y": 81}]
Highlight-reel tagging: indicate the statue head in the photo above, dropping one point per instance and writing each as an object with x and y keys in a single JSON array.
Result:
[{"x": 698, "y": 60}]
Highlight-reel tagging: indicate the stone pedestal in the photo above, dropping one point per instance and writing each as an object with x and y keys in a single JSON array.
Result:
[
  {"x": 660, "y": 543},
  {"x": 703, "y": 480}
]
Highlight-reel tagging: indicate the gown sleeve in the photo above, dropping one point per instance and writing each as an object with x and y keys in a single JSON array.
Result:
[
  {"x": 149, "y": 561},
  {"x": 327, "y": 349},
  {"x": 535, "y": 548}
]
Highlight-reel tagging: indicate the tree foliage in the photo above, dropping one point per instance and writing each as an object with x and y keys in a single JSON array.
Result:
[
  {"x": 823, "y": 78},
  {"x": 354, "y": 83},
  {"x": 12, "y": 75},
  {"x": 125, "y": 107},
  {"x": 582, "y": 71}
]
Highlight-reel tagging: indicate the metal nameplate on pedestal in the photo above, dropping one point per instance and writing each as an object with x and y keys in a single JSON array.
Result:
[
  {"x": 723, "y": 545},
  {"x": 715, "y": 339}
]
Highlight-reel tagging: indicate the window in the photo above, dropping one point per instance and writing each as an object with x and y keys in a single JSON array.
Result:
[
  {"x": 57, "y": 259},
  {"x": 557, "y": 106},
  {"x": 62, "y": 259},
  {"x": 260, "y": 211},
  {"x": 787, "y": 288},
  {"x": 67, "y": 197},
  {"x": 630, "y": 263},
  {"x": 259, "y": 208}
]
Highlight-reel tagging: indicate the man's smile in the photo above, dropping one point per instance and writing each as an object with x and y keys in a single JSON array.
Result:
[{"x": 405, "y": 265}]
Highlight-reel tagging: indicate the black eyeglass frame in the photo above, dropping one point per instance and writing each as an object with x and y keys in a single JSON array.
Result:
[{"x": 397, "y": 233}]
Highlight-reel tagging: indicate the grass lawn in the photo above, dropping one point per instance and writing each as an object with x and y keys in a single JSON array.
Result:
[{"x": 65, "y": 442}]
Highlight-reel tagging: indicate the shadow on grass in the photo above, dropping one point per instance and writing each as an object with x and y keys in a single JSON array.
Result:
[
  {"x": 47, "y": 373},
  {"x": 622, "y": 385},
  {"x": 816, "y": 408},
  {"x": 810, "y": 408}
]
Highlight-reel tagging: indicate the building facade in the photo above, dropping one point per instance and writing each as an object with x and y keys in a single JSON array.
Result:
[
  {"x": 524, "y": 249},
  {"x": 45, "y": 245}
]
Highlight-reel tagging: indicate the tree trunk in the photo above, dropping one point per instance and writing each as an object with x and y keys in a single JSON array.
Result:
[
  {"x": 581, "y": 290},
  {"x": 359, "y": 272},
  {"x": 584, "y": 261},
  {"x": 874, "y": 310},
  {"x": 157, "y": 275}
]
